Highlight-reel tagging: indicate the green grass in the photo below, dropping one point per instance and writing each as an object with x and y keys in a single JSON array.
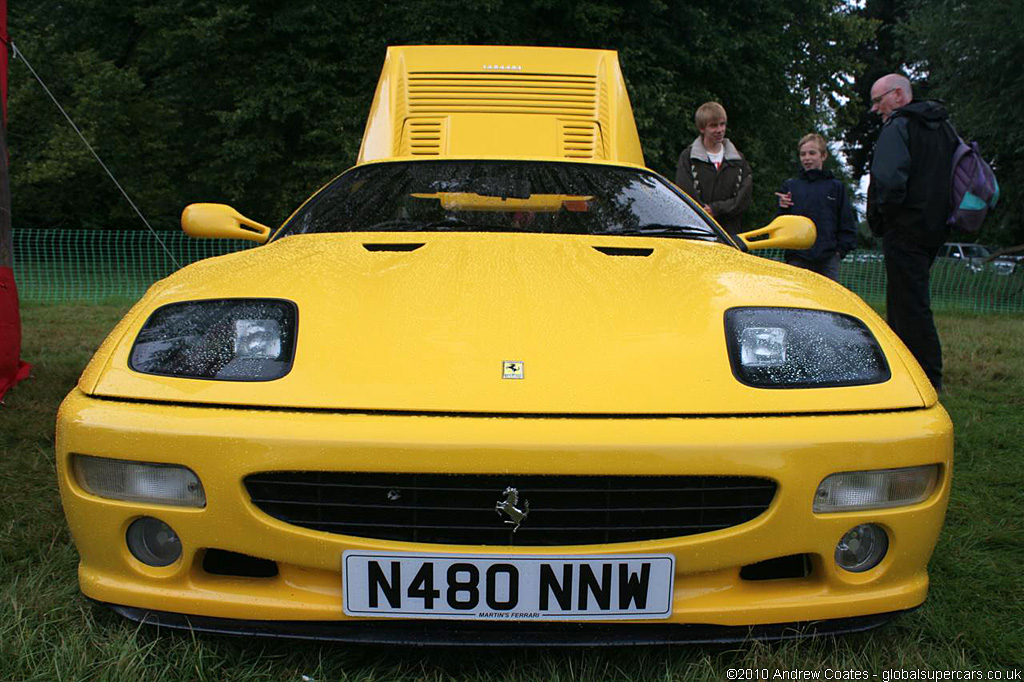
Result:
[{"x": 973, "y": 619}]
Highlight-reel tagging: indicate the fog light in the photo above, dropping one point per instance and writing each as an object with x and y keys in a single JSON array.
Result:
[
  {"x": 862, "y": 548},
  {"x": 153, "y": 542},
  {"x": 120, "y": 479}
]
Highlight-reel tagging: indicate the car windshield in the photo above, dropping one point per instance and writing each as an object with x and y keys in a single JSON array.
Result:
[
  {"x": 506, "y": 196},
  {"x": 976, "y": 251}
]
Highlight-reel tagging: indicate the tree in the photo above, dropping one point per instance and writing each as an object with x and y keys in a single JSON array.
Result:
[
  {"x": 258, "y": 103},
  {"x": 878, "y": 55},
  {"x": 970, "y": 52}
]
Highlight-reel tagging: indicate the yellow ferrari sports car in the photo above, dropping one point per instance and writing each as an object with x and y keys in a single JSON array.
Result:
[{"x": 499, "y": 383}]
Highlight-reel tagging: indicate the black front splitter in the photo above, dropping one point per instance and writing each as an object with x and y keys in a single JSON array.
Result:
[{"x": 491, "y": 633}]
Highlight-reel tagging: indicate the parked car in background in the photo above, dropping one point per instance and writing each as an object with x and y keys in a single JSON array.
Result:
[
  {"x": 977, "y": 258},
  {"x": 861, "y": 256},
  {"x": 1007, "y": 260}
]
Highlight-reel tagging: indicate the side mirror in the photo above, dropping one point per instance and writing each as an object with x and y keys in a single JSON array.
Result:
[
  {"x": 785, "y": 232},
  {"x": 218, "y": 221}
]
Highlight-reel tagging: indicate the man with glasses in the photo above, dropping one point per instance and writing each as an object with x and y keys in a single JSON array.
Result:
[{"x": 908, "y": 204}]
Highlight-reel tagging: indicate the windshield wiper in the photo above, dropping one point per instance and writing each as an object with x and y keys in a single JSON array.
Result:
[
  {"x": 658, "y": 230},
  {"x": 404, "y": 225}
]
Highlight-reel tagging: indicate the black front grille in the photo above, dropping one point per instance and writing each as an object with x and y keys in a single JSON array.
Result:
[{"x": 458, "y": 509}]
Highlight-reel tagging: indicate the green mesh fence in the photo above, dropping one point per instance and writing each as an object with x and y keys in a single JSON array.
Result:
[
  {"x": 58, "y": 266},
  {"x": 954, "y": 284}
]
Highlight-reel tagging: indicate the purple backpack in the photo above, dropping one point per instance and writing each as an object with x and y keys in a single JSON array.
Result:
[{"x": 974, "y": 188}]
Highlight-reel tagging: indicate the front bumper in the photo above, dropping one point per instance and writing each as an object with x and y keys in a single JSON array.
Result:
[
  {"x": 222, "y": 446},
  {"x": 502, "y": 634}
]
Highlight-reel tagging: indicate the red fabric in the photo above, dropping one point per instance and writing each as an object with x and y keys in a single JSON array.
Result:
[{"x": 12, "y": 369}]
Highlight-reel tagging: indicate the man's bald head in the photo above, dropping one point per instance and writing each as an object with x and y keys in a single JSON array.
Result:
[{"x": 890, "y": 92}]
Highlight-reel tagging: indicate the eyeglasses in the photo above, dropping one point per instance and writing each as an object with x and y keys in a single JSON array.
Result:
[{"x": 875, "y": 101}]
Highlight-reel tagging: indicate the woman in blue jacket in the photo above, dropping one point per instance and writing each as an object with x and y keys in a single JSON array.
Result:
[{"x": 820, "y": 196}]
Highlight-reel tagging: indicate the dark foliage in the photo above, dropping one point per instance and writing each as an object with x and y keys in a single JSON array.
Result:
[
  {"x": 970, "y": 53},
  {"x": 258, "y": 103},
  {"x": 879, "y": 56}
]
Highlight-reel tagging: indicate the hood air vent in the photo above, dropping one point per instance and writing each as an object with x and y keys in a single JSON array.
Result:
[
  {"x": 401, "y": 246},
  {"x": 623, "y": 251}
]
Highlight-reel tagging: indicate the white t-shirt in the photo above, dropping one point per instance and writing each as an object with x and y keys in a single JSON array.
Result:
[{"x": 717, "y": 157}]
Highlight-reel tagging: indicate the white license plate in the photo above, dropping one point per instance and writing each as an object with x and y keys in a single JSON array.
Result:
[{"x": 507, "y": 587}]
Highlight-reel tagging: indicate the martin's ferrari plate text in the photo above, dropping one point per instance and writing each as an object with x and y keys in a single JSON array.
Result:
[{"x": 507, "y": 587}]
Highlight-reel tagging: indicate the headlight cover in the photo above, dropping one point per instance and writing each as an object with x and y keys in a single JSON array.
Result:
[
  {"x": 119, "y": 479},
  {"x": 875, "y": 489},
  {"x": 240, "y": 339},
  {"x": 802, "y": 348}
]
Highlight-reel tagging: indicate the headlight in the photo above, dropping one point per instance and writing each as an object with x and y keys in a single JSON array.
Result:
[
  {"x": 231, "y": 339},
  {"x": 878, "y": 489},
  {"x": 798, "y": 348},
  {"x": 119, "y": 479}
]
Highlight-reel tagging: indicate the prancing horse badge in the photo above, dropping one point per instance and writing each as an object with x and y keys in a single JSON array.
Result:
[
  {"x": 512, "y": 369},
  {"x": 507, "y": 506}
]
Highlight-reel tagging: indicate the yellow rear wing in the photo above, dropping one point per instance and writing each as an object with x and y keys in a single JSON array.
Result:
[{"x": 501, "y": 102}]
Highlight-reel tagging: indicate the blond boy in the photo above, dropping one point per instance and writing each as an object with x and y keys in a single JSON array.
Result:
[{"x": 713, "y": 172}]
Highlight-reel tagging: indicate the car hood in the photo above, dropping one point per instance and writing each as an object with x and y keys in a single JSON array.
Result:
[{"x": 600, "y": 325}]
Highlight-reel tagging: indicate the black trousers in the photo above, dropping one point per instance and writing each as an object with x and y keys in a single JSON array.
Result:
[
  {"x": 828, "y": 266},
  {"x": 908, "y": 300}
]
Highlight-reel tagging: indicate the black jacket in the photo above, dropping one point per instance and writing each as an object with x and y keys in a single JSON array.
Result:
[
  {"x": 818, "y": 195},
  {"x": 910, "y": 174},
  {"x": 727, "y": 189}
]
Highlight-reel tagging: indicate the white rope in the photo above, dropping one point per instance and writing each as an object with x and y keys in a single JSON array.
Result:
[{"x": 15, "y": 54}]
